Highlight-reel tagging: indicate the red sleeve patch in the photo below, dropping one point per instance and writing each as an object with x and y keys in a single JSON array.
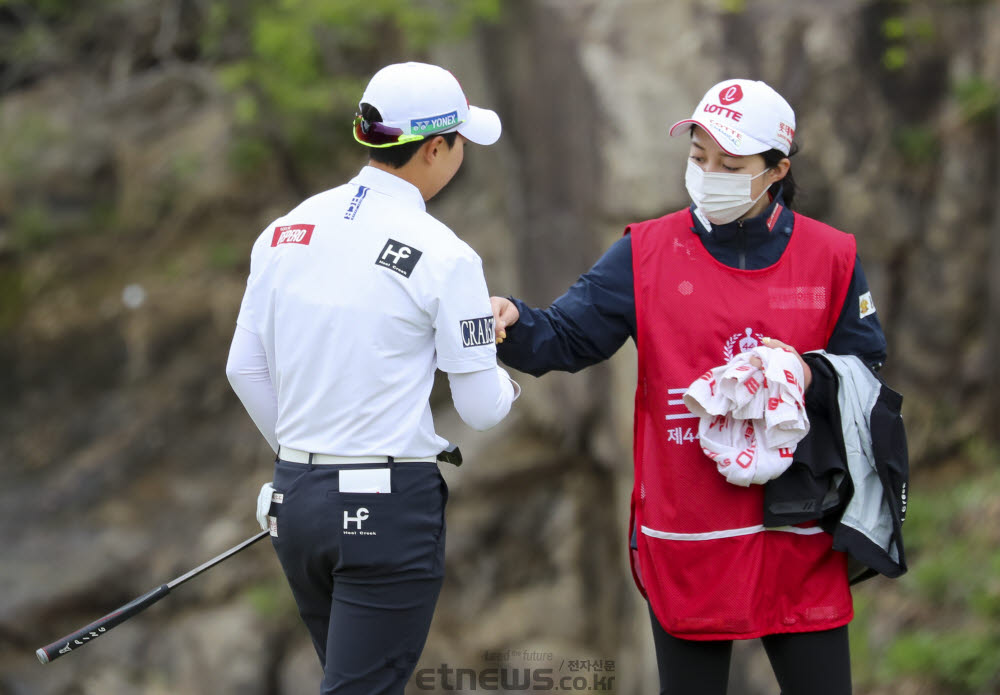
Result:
[{"x": 293, "y": 234}]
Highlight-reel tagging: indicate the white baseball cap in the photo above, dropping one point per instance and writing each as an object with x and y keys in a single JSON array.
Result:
[
  {"x": 417, "y": 100},
  {"x": 743, "y": 117}
]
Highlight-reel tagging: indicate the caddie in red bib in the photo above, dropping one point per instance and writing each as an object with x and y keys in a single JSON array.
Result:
[
  {"x": 709, "y": 568},
  {"x": 696, "y": 290}
]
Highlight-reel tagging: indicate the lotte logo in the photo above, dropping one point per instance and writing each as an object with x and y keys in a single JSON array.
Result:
[{"x": 731, "y": 94}]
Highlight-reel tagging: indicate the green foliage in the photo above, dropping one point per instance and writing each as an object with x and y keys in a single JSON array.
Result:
[
  {"x": 12, "y": 302},
  {"x": 31, "y": 227},
  {"x": 35, "y": 39},
  {"x": 296, "y": 68},
  {"x": 918, "y": 144},
  {"x": 225, "y": 255},
  {"x": 985, "y": 599},
  {"x": 978, "y": 99},
  {"x": 894, "y": 58},
  {"x": 894, "y": 28},
  {"x": 864, "y": 660},
  {"x": 953, "y": 545},
  {"x": 271, "y": 600},
  {"x": 961, "y": 660},
  {"x": 905, "y": 33},
  {"x": 46, "y": 9}
]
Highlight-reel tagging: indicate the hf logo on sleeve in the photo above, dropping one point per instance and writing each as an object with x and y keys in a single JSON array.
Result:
[
  {"x": 399, "y": 257},
  {"x": 476, "y": 332}
]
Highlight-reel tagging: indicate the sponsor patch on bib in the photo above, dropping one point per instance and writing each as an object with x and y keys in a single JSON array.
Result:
[{"x": 866, "y": 305}]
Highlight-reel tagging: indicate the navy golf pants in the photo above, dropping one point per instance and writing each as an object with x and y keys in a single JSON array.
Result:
[{"x": 365, "y": 569}]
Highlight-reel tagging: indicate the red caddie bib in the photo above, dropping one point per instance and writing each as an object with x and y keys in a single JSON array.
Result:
[{"x": 704, "y": 560}]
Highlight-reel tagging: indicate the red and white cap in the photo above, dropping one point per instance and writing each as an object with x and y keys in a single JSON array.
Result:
[
  {"x": 421, "y": 100},
  {"x": 744, "y": 117}
]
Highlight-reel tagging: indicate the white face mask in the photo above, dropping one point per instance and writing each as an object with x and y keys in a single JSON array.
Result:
[{"x": 721, "y": 198}]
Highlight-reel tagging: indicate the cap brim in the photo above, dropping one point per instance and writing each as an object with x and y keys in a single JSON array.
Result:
[
  {"x": 481, "y": 127},
  {"x": 746, "y": 145}
]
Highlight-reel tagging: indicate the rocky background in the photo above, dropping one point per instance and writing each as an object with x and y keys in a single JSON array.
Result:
[{"x": 144, "y": 145}]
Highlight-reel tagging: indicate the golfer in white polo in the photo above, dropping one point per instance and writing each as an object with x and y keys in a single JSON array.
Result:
[{"x": 354, "y": 298}]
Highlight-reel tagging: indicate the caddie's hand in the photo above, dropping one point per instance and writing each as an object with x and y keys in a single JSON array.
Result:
[
  {"x": 504, "y": 314},
  {"x": 806, "y": 372},
  {"x": 264, "y": 505}
]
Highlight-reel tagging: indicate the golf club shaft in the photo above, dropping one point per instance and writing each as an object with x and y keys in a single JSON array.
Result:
[{"x": 101, "y": 626}]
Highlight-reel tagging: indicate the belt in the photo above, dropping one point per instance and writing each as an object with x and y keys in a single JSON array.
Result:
[{"x": 297, "y": 456}]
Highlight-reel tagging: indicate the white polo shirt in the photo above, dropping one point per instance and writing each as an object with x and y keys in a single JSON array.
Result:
[{"x": 358, "y": 295}]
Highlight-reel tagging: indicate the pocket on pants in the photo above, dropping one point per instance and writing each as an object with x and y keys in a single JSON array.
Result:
[{"x": 387, "y": 535}]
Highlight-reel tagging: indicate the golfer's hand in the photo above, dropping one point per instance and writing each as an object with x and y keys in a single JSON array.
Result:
[
  {"x": 504, "y": 314},
  {"x": 806, "y": 372},
  {"x": 264, "y": 505}
]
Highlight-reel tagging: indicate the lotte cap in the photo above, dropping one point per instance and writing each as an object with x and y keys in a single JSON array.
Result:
[
  {"x": 417, "y": 100},
  {"x": 743, "y": 117}
]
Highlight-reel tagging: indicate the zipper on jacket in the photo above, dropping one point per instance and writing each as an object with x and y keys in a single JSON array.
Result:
[{"x": 742, "y": 247}]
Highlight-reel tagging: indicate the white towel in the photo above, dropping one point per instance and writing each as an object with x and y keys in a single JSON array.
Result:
[{"x": 751, "y": 418}]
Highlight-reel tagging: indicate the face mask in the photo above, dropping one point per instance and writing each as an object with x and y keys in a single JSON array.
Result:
[{"x": 721, "y": 198}]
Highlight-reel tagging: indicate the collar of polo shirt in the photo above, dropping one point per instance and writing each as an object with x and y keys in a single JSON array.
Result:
[{"x": 384, "y": 182}]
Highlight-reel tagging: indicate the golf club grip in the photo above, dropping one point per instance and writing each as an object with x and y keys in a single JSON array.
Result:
[{"x": 101, "y": 626}]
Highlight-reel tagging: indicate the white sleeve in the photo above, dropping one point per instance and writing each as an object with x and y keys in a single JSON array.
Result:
[
  {"x": 251, "y": 380},
  {"x": 483, "y": 398},
  {"x": 463, "y": 318}
]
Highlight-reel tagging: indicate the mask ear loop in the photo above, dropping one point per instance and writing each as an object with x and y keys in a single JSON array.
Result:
[{"x": 766, "y": 188}]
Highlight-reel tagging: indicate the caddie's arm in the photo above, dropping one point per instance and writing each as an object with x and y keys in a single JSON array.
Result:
[
  {"x": 858, "y": 330},
  {"x": 584, "y": 326}
]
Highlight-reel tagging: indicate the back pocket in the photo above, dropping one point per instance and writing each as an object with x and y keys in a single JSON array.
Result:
[{"x": 385, "y": 535}]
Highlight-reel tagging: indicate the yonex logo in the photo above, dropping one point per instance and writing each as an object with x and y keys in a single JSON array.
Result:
[
  {"x": 423, "y": 126},
  {"x": 293, "y": 234},
  {"x": 398, "y": 257}
]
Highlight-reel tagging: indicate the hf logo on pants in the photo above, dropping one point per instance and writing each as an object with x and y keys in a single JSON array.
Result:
[{"x": 359, "y": 516}]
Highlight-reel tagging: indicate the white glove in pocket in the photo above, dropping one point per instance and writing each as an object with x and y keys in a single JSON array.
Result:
[{"x": 264, "y": 505}]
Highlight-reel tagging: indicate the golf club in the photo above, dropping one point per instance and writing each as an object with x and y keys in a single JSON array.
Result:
[{"x": 101, "y": 626}]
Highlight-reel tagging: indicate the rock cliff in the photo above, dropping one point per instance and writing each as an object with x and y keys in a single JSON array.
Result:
[{"x": 130, "y": 195}]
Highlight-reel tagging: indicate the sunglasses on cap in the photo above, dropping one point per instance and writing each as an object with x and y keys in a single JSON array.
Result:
[{"x": 377, "y": 134}]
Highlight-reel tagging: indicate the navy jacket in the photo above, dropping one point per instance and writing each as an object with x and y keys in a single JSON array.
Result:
[
  {"x": 851, "y": 472},
  {"x": 596, "y": 315}
]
